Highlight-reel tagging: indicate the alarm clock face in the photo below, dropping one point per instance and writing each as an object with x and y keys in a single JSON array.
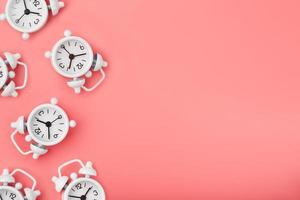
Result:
[
  {"x": 3, "y": 75},
  {"x": 84, "y": 188},
  {"x": 72, "y": 57},
  {"x": 10, "y": 193},
  {"x": 48, "y": 124},
  {"x": 27, "y": 15}
]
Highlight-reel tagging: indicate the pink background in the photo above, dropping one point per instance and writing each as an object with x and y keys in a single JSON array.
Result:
[{"x": 201, "y": 100}]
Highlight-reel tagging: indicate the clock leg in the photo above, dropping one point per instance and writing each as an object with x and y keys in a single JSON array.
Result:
[{"x": 25, "y": 36}]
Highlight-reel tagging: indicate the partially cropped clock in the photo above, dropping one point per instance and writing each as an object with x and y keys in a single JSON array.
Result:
[
  {"x": 28, "y": 16},
  {"x": 12, "y": 190},
  {"x": 73, "y": 57},
  {"x": 47, "y": 125},
  {"x": 8, "y": 64},
  {"x": 84, "y": 187}
]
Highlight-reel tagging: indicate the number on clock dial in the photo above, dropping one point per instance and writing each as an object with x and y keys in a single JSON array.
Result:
[
  {"x": 6, "y": 194},
  {"x": 3, "y": 77},
  {"x": 87, "y": 189},
  {"x": 72, "y": 56}
]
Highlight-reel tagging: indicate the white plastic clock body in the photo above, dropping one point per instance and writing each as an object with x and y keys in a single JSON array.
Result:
[
  {"x": 47, "y": 125},
  {"x": 7, "y": 67},
  {"x": 80, "y": 187},
  {"x": 73, "y": 57},
  {"x": 28, "y": 16},
  {"x": 10, "y": 190}
]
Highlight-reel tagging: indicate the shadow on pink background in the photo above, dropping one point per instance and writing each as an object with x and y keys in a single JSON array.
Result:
[{"x": 201, "y": 100}]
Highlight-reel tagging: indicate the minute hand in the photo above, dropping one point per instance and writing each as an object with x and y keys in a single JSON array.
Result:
[
  {"x": 25, "y": 4},
  {"x": 80, "y": 55}
]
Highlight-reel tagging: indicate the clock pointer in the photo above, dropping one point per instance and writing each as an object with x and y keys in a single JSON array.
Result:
[
  {"x": 74, "y": 196},
  {"x": 49, "y": 134},
  {"x": 63, "y": 47},
  {"x": 18, "y": 20},
  {"x": 41, "y": 121},
  {"x": 36, "y": 13},
  {"x": 1, "y": 197},
  {"x": 59, "y": 117},
  {"x": 88, "y": 191},
  {"x": 80, "y": 55},
  {"x": 70, "y": 65},
  {"x": 25, "y": 5}
]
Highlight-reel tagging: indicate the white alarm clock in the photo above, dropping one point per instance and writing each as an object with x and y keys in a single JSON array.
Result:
[
  {"x": 10, "y": 190},
  {"x": 28, "y": 16},
  {"x": 73, "y": 57},
  {"x": 7, "y": 67},
  {"x": 83, "y": 188},
  {"x": 47, "y": 125}
]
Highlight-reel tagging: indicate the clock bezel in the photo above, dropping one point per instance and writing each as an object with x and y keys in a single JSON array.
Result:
[
  {"x": 31, "y": 132},
  {"x": 23, "y": 30},
  {"x": 78, "y": 180},
  {"x": 5, "y": 75},
  {"x": 6, "y": 187},
  {"x": 79, "y": 73}
]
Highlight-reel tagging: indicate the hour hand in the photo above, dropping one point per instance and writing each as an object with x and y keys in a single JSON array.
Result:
[
  {"x": 74, "y": 196},
  {"x": 36, "y": 13},
  {"x": 37, "y": 119},
  {"x": 63, "y": 47}
]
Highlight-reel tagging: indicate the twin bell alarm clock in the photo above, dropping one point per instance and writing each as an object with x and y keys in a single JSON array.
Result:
[
  {"x": 72, "y": 57},
  {"x": 83, "y": 187},
  {"x": 47, "y": 125},
  {"x": 12, "y": 190},
  {"x": 28, "y": 16},
  {"x": 7, "y": 66}
]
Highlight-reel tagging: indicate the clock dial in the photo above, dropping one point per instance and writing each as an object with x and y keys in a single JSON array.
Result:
[
  {"x": 27, "y": 15},
  {"x": 73, "y": 57},
  {"x": 48, "y": 124},
  {"x": 9, "y": 193},
  {"x": 3, "y": 75},
  {"x": 87, "y": 189}
]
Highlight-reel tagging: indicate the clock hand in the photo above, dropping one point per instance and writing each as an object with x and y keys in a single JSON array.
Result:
[
  {"x": 1, "y": 197},
  {"x": 88, "y": 191},
  {"x": 49, "y": 134},
  {"x": 80, "y": 55},
  {"x": 74, "y": 197},
  {"x": 66, "y": 49},
  {"x": 59, "y": 117},
  {"x": 35, "y": 13},
  {"x": 25, "y": 5},
  {"x": 70, "y": 64},
  {"x": 40, "y": 121},
  {"x": 18, "y": 20}
]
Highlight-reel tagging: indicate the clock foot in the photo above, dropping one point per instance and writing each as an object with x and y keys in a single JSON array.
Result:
[
  {"x": 25, "y": 36},
  {"x": 2, "y": 16}
]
